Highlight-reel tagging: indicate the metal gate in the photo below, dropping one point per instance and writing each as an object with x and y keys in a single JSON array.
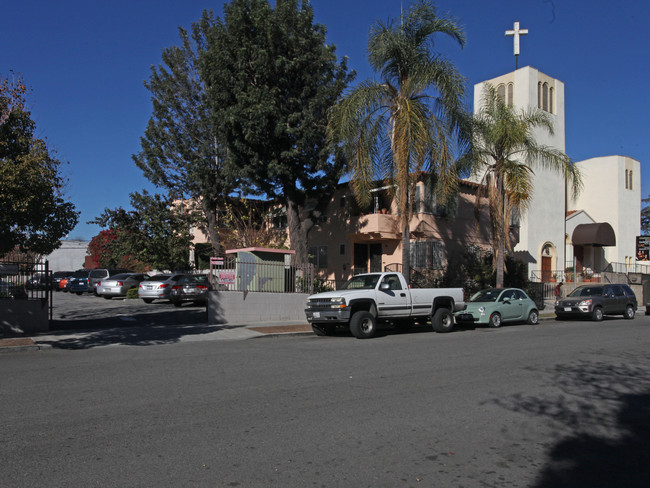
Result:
[{"x": 26, "y": 280}]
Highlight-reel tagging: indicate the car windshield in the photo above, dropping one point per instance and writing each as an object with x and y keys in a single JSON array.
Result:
[
  {"x": 198, "y": 279},
  {"x": 98, "y": 273},
  {"x": 80, "y": 274},
  {"x": 158, "y": 278},
  {"x": 361, "y": 282},
  {"x": 586, "y": 291},
  {"x": 486, "y": 296}
]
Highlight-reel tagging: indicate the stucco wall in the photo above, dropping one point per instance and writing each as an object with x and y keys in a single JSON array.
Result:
[
  {"x": 246, "y": 308},
  {"x": 606, "y": 199}
]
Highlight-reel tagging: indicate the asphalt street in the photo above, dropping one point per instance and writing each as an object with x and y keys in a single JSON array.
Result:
[{"x": 553, "y": 405}]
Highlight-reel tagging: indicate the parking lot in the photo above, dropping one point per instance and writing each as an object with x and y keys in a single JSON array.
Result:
[{"x": 77, "y": 312}]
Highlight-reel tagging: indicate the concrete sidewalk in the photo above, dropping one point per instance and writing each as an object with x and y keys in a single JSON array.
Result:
[
  {"x": 152, "y": 335},
  {"x": 167, "y": 334}
]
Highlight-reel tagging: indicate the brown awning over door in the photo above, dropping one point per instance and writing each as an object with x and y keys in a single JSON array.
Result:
[{"x": 600, "y": 234}]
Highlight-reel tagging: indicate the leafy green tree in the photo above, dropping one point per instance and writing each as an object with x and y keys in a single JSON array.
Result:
[
  {"x": 271, "y": 79},
  {"x": 156, "y": 234},
  {"x": 506, "y": 152},
  {"x": 410, "y": 120},
  {"x": 182, "y": 150},
  {"x": 35, "y": 214}
]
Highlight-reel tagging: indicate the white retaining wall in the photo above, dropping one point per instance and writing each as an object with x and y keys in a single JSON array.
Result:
[{"x": 234, "y": 307}]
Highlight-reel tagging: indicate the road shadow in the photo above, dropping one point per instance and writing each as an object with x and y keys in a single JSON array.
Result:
[
  {"x": 129, "y": 335},
  {"x": 88, "y": 327},
  {"x": 603, "y": 411}
]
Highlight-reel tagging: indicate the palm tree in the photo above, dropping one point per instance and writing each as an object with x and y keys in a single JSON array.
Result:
[
  {"x": 504, "y": 151},
  {"x": 393, "y": 129}
]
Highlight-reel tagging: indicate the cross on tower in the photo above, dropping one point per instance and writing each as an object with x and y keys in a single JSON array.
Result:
[{"x": 516, "y": 33}]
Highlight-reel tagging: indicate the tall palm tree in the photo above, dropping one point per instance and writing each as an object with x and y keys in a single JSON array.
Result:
[
  {"x": 405, "y": 123},
  {"x": 505, "y": 152}
]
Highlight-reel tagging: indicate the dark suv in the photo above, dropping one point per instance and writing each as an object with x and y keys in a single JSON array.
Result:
[{"x": 595, "y": 301}]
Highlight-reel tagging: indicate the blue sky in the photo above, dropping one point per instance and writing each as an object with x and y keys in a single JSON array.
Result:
[{"x": 86, "y": 62}]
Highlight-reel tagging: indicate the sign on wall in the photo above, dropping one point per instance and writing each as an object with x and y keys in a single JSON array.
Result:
[{"x": 643, "y": 248}]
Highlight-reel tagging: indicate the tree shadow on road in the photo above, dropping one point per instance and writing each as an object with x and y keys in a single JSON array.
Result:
[
  {"x": 92, "y": 328},
  {"x": 604, "y": 412}
]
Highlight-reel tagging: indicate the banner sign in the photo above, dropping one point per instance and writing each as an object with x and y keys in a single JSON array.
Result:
[{"x": 643, "y": 248}]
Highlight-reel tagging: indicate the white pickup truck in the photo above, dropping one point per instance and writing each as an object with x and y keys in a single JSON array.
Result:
[{"x": 366, "y": 299}]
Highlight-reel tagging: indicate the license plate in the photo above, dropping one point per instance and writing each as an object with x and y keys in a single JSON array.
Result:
[
  {"x": 316, "y": 315},
  {"x": 567, "y": 309},
  {"x": 149, "y": 287}
]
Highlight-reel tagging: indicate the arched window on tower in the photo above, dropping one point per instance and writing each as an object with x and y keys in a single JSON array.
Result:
[
  {"x": 551, "y": 96},
  {"x": 545, "y": 96},
  {"x": 630, "y": 179},
  {"x": 501, "y": 92},
  {"x": 510, "y": 95},
  {"x": 539, "y": 94},
  {"x": 627, "y": 175}
]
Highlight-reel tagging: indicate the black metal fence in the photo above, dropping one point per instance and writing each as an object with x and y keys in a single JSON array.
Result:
[{"x": 26, "y": 280}]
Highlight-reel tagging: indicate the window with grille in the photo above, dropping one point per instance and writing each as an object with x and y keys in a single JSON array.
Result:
[
  {"x": 318, "y": 256},
  {"x": 427, "y": 254}
]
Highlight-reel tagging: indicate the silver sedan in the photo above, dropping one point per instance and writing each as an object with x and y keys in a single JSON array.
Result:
[
  {"x": 119, "y": 284},
  {"x": 158, "y": 287}
]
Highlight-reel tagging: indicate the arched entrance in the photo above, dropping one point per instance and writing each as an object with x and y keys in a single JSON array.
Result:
[{"x": 547, "y": 255}]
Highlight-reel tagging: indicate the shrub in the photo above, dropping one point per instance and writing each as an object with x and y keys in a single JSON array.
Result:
[{"x": 132, "y": 293}]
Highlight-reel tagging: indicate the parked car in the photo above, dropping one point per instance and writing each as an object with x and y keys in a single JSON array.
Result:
[
  {"x": 37, "y": 282},
  {"x": 57, "y": 276},
  {"x": 595, "y": 301},
  {"x": 496, "y": 306},
  {"x": 99, "y": 274},
  {"x": 191, "y": 288},
  {"x": 157, "y": 287},
  {"x": 78, "y": 282},
  {"x": 118, "y": 285}
]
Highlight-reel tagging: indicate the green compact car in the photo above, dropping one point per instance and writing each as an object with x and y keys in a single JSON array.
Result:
[{"x": 497, "y": 306}]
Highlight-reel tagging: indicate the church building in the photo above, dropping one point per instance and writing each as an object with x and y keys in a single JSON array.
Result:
[{"x": 596, "y": 231}]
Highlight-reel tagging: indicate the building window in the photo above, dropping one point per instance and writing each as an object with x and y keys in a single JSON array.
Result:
[
  {"x": 509, "y": 100},
  {"x": 418, "y": 199},
  {"x": 501, "y": 92},
  {"x": 318, "y": 256},
  {"x": 539, "y": 94},
  {"x": 630, "y": 179},
  {"x": 342, "y": 249},
  {"x": 551, "y": 94},
  {"x": 545, "y": 96},
  {"x": 427, "y": 254},
  {"x": 626, "y": 179}
]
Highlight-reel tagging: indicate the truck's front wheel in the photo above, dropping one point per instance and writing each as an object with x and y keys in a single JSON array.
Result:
[
  {"x": 363, "y": 325},
  {"x": 442, "y": 320}
]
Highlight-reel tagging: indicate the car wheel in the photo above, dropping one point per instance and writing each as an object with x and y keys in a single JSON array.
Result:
[
  {"x": 177, "y": 304},
  {"x": 533, "y": 317},
  {"x": 106, "y": 297},
  {"x": 597, "y": 314},
  {"x": 629, "y": 312},
  {"x": 495, "y": 320},
  {"x": 442, "y": 320},
  {"x": 148, "y": 300},
  {"x": 79, "y": 293},
  {"x": 363, "y": 325},
  {"x": 323, "y": 329}
]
